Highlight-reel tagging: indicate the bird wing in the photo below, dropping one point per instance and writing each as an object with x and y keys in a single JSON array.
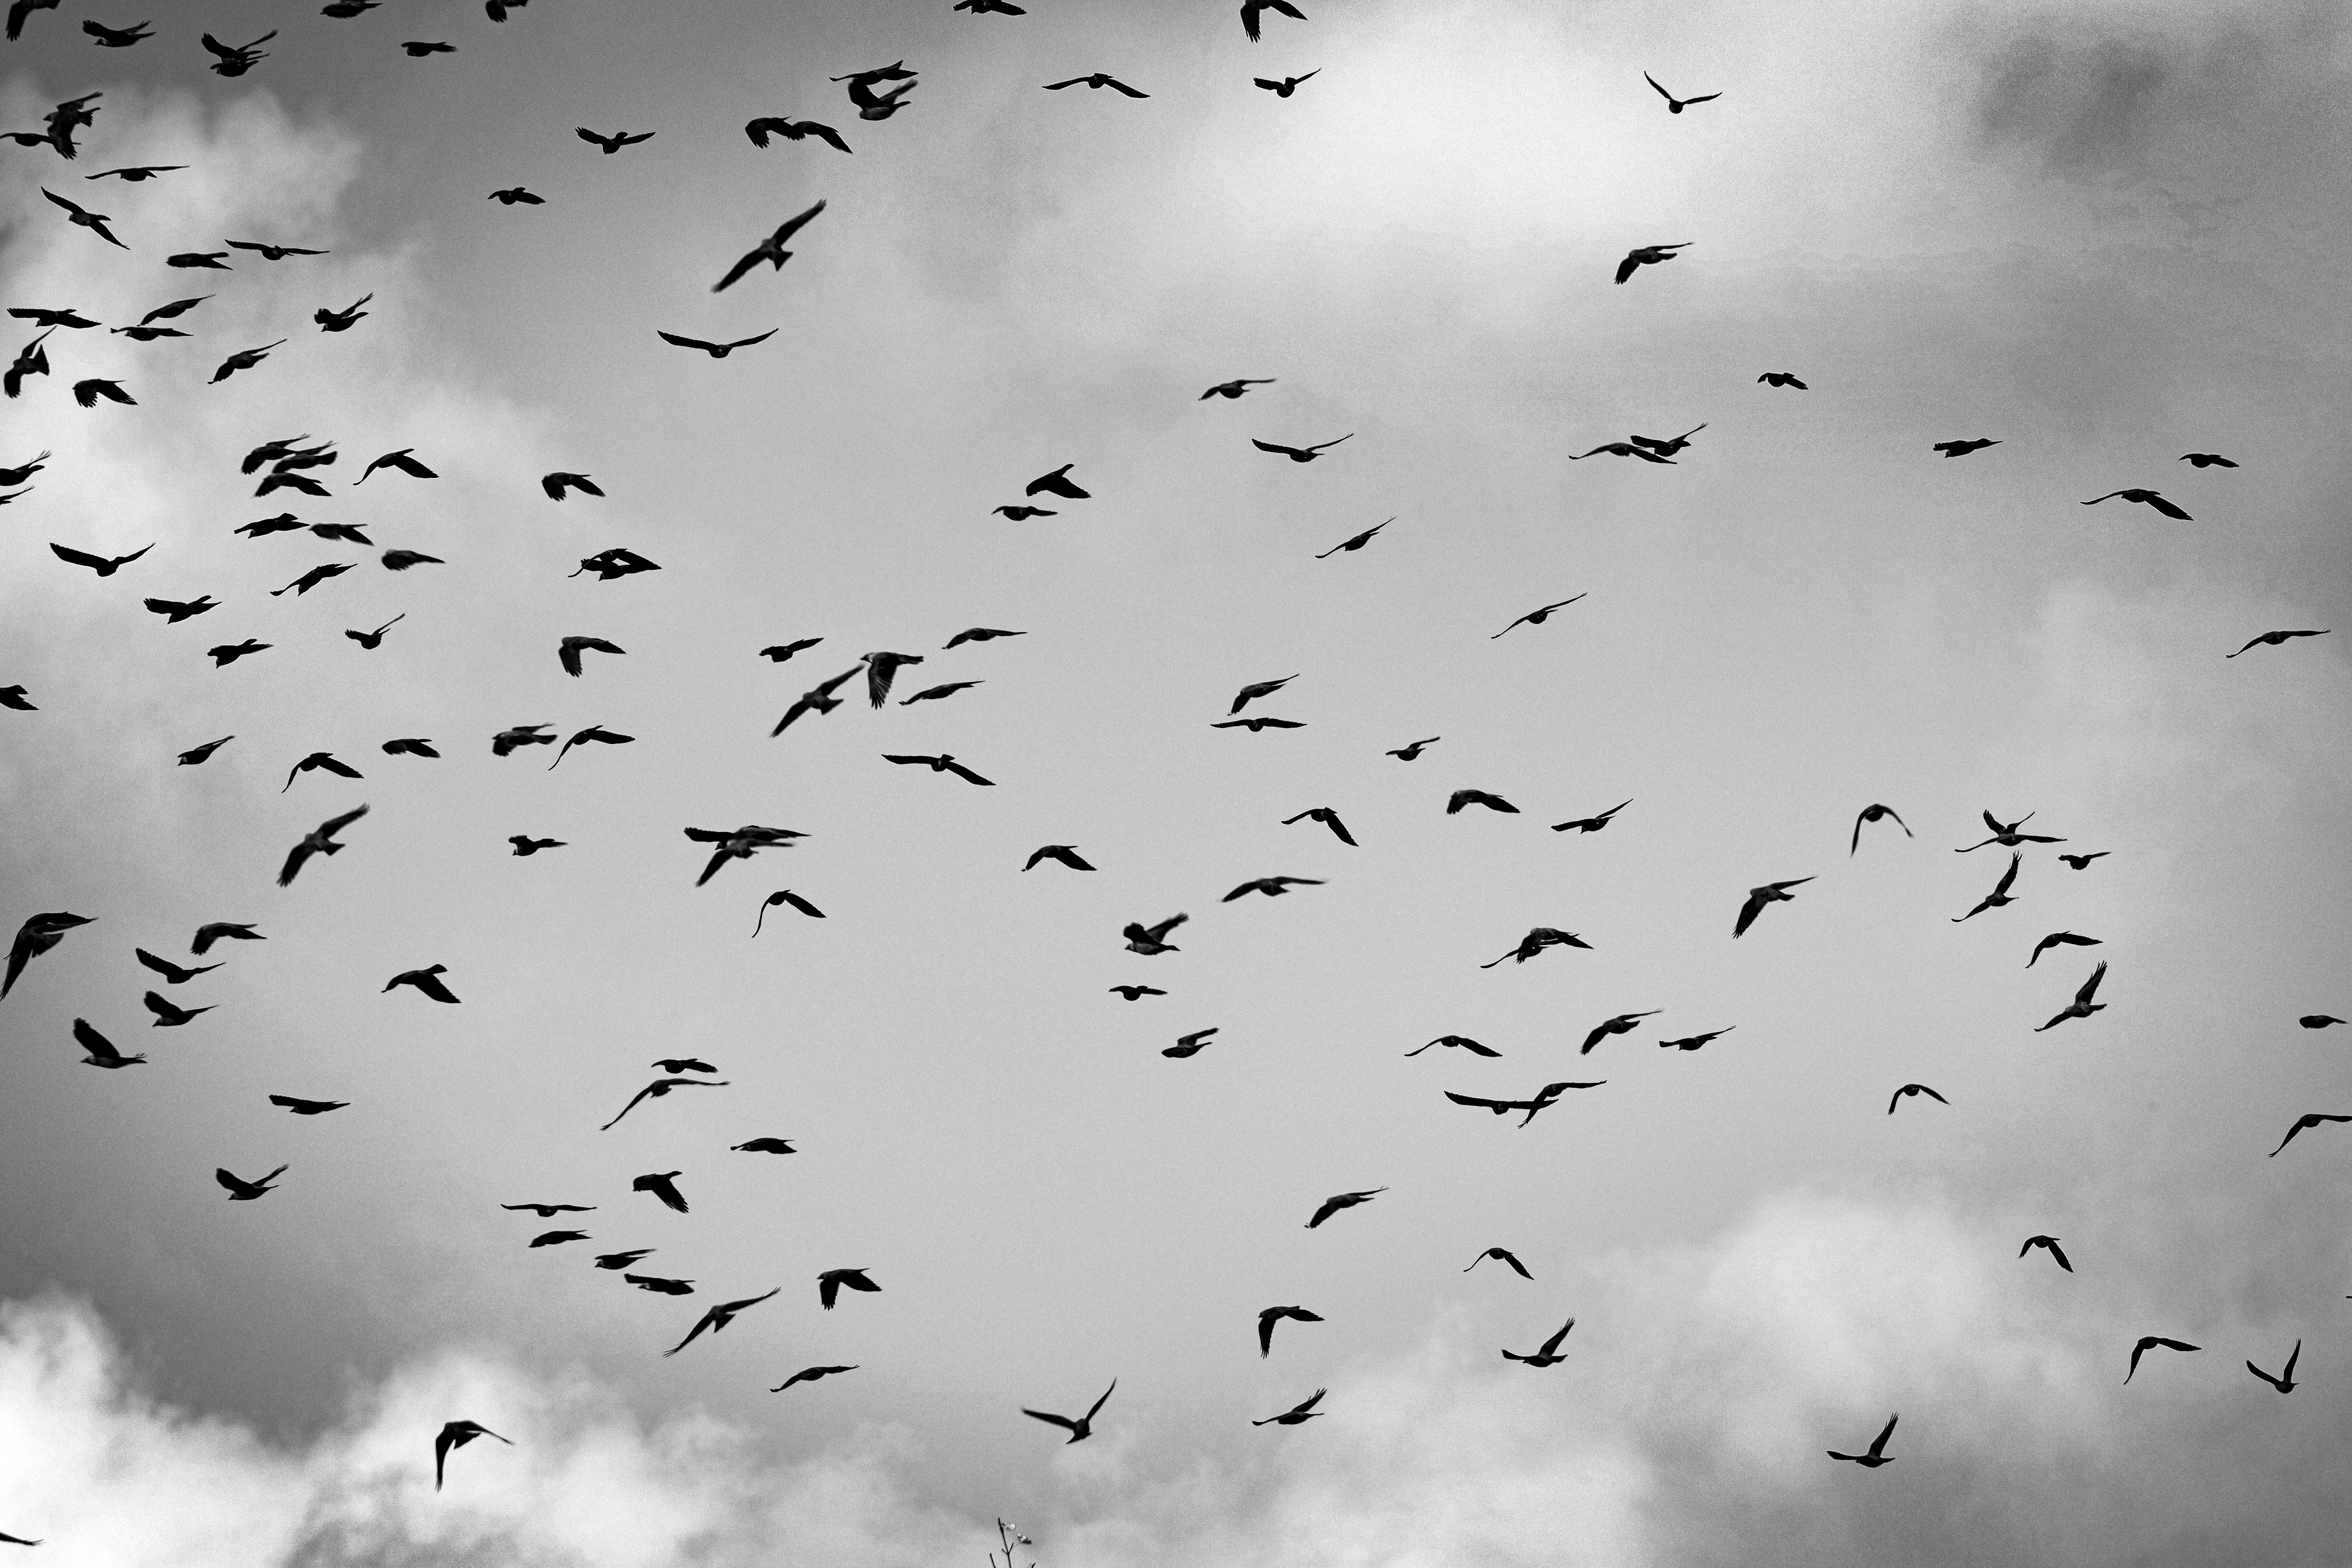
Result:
[
  {"x": 1653, "y": 82},
  {"x": 2009, "y": 876},
  {"x": 1121, "y": 86},
  {"x": 749, "y": 260},
  {"x": 1270, "y": 446},
  {"x": 962, "y": 771},
  {"x": 1748, "y": 912},
  {"x": 684, "y": 342},
  {"x": 2091, "y": 985},
  {"x": 1050, "y": 1419},
  {"x": 2167, "y": 508},
  {"x": 1624, "y": 270},
  {"x": 1879, "y": 1443}
]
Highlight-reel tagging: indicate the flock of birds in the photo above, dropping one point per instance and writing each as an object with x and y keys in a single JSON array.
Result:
[{"x": 295, "y": 463}]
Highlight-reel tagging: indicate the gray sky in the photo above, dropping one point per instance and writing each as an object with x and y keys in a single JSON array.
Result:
[{"x": 2104, "y": 234}]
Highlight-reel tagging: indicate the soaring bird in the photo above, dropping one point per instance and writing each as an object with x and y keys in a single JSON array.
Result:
[
  {"x": 20, "y": 9},
  {"x": 770, "y": 250},
  {"x": 2059, "y": 939},
  {"x": 1692, "y": 1042},
  {"x": 222, "y": 930},
  {"x": 739, "y": 844},
  {"x": 343, "y": 321},
  {"x": 760, "y": 130},
  {"x": 2205, "y": 460},
  {"x": 597, "y": 732},
  {"x": 607, "y": 1260},
  {"x": 2006, "y": 834},
  {"x": 419, "y": 48},
  {"x": 173, "y": 974},
  {"x": 830, "y": 1284},
  {"x": 1338, "y": 1201},
  {"x": 169, "y": 1015},
  {"x": 1647, "y": 255},
  {"x": 872, "y": 105},
  {"x": 881, "y": 669},
  {"x": 1669, "y": 448},
  {"x": 1770, "y": 893},
  {"x": 1355, "y": 541},
  {"x": 1272, "y": 887},
  {"x": 1235, "y": 387},
  {"x": 1252, "y": 692},
  {"x": 615, "y": 142},
  {"x": 241, "y": 1190},
  {"x": 568, "y": 652},
  {"x": 1460, "y": 798},
  {"x": 507, "y": 741},
  {"x": 2285, "y": 1381},
  {"x": 1457, "y": 1042},
  {"x": 82, "y": 217},
  {"x": 556, "y": 484},
  {"x": 662, "y": 1185},
  {"x": 427, "y": 980},
  {"x": 1286, "y": 85},
  {"x": 2082, "y": 862},
  {"x": 549, "y": 1211},
  {"x": 31, "y": 360},
  {"x": 456, "y": 1435},
  {"x": 2272, "y": 639},
  {"x": 208, "y": 259},
  {"x": 661, "y": 1287},
  {"x": 657, "y": 1089},
  {"x": 1098, "y": 78},
  {"x": 1537, "y": 617},
  {"x": 1328, "y": 818},
  {"x": 1137, "y": 993},
  {"x": 2317, "y": 1020},
  {"x": 35, "y": 937},
  {"x": 177, "y": 610},
  {"x": 2048, "y": 1243},
  {"x": 403, "y": 459},
  {"x": 1254, "y": 724},
  {"x": 1057, "y": 483},
  {"x": 1024, "y": 513},
  {"x": 514, "y": 193},
  {"x": 1677, "y": 105},
  {"x": 1872, "y": 812},
  {"x": 1150, "y": 940},
  {"x": 942, "y": 763},
  {"x": 2307, "y": 1121},
  {"x": 1784, "y": 379},
  {"x": 1622, "y": 1024},
  {"x": 1412, "y": 752},
  {"x": 810, "y": 1374},
  {"x": 307, "y": 1107},
  {"x": 235, "y": 59},
  {"x": 1190, "y": 1044},
  {"x": 105, "y": 567},
  {"x": 43, "y": 316},
  {"x": 716, "y": 351},
  {"x": 314, "y": 762},
  {"x": 1962, "y": 448},
  {"x": 1080, "y": 1429},
  {"x": 981, "y": 634},
  {"x": 1253, "y": 9},
  {"x": 765, "y": 1146},
  {"x": 118, "y": 38},
  {"x": 782, "y": 651},
  {"x": 309, "y": 580},
  {"x": 1541, "y": 1100},
  {"x": 1999, "y": 895},
  {"x": 785, "y": 896},
  {"x": 1300, "y": 454},
  {"x": 17, "y": 476},
  {"x": 1502, "y": 1254},
  {"x": 1539, "y": 938},
  {"x": 269, "y": 252},
  {"x": 103, "y": 1054},
  {"x": 1592, "y": 824},
  {"x": 1912, "y": 1088},
  {"x": 1545, "y": 1354},
  {"x": 1876, "y": 1455},
  {"x": 2145, "y": 498},
  {"x": 227, "y": 653},
  {"x": 1623, "y": 449},
  {"x": 1304, "y": 1411},
  {"x": 556, "y": 1237},
  {"x": 15, "y": 697},
  {"x": 370, "y": 641},
  {"x": 2082, "y": 1006},
  {"x": 2152, "y": 1342},
  {"x": 1064, "y": 854},
  {"x": 320, "y": 840}
]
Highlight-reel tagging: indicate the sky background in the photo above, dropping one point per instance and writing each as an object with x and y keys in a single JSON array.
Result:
[{"x": 2103, "y": 233}]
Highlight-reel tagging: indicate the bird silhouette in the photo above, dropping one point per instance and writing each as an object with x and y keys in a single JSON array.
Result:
[
  {"x": 1999, "y": 895},
  {"x": 1537, "y": 617},
  {"x": 1412, "y": 752},
  {"x": 1064, "y": 854},
  {"x": 235, "y": 59},
  {"x": 810, "y": 1374},
  {"x": 568, "y": 652},
  {"x": 1304, "y": 1411},
  {"x": 2272, "y": 639},
  {"x": 881, "y": 669},
  {"x": 2317, "y": 1020},
  {"x": 1876, "y": 1455},
  {"x": 764, "y": 1146},
  {"x": 556, "y": 1237},
  {"x": 15, "y": 696},
  {"x": 1328, "y": 818},
  {"x": 657, "y": 1089},
  {"x": 2059, "y": 939},
  {"x": 782, "y": 651},
  {"x": 597, "y": 732},
  {"x": 1501, "y": 1255},
  {"x": 549, "y": 1211},
  {"x": 614, "y": 143},
  {"x": 320, "y": 840},
  {"x": 1272, "y": 887},
  {"x": 1770, "y": 893},
  {"x": 456, "y": 1435},
  {"x": 169, "y": 1015},
  {"x": 31, "y": 360},
  {"x": 1080, "y": 1429},
  {"x": 1592, "y": 824},
  {"x": 1355, "y": 541},
  {"x": 343, "y": 321},
  {"x": 1874, "y": 813},
  {"x": 784, "y": 896},
  {"x": 370, "y": 641},
  {"x": 222, "y": 930},
  {"x": 2082, "y": 1007},
  {"x": 770, "y": 250},
  {"x": 1694, "y": 1042},
  {"x": 942, "y": 763},
  {"x": 1189, "y": 1045},
  {"x": 514, "y": 193},
  {"x": 1667, "y": 448},
  {"x": 2285, "y": 1381},
  {"x": 2153, "y": 1342},
  {"x": 2302, "y": 1123},
  {"x": 427, "y": 980},
  {"x": 760, "y": 130},
  {"x": 716, "y": 351},
  {"x": 1457, "y": 1042},
  {"x": 1624, "y": 449},
  {"x": 403, "y": 459},
  {"x": 1253, "y": 9},
  {"x": 1537, "y": 939},
  {"x": 1024, "y": 513},
  {"x": 872, "y": 105},
  {"x": 241, "y": 1190},
  {"x": 1541, "y": 1100},
  {"x": 102, "y": 1053},
  {"x": 1623, "y": 1022},
  {"x": 1286, "y": 85},
  {"x": 2205, "y": 460},
  {"x": 318, "y": 760},
  {"x": 1338, "y": 1201},
  {"x": 2080, "y": 862},
  {"x": 1545, "y": 1354},
  {"x": 35, "y": 937},
  {"x": 1256, "y": 724},
  {"x": 82, "y": 217},
  {"x": 227, "y": 653},
  {"x": 832, "y": 1281},
  {"x": 417, "y": 50},
  {"x": 1911, "y": 1088},
  {"x": 1648, "y": 255},
  {"x": 1962, "y": 448},
  {"x": 2050, "y": 1245},
  {"x": 1057, "y": 483},
  {"x": 1098, "y": 79},
  {"x": 105, "y": 567},
  {"x": 1234, "y": 388},
  {"x": 1783, "y": 379},
  {"x": 819, "y": 699},
  {"x": 1136, "y": 993},
  {"x": 1677, "y": 105},
  {"x": 117, "y": 38},
  {"x": 1462, "y": 798},
  {"x": 1300, "y": 454},
  {"x": 307, "y": 1107},
  {"x": 2008, "y": 834},
  {"x": 175, "y": 611},
  {"x": 173, "y": 974},
  {"x": 2145, "y": 498},
  {"x": 660, "y": 1184}
]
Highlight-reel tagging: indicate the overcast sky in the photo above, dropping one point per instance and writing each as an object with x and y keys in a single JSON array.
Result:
[{"x": 2103, "y": 235}]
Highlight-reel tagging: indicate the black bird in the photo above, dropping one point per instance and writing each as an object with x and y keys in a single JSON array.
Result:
[
  {"x": 982, "y": 7},
  {"x": 1872, "y": 812},
  {"x": 1911, "y": 1088},
  {"x": 1099, "y": 79},
  {"x": 1151, "y": 940},
  {"x": 2059, "y": 939},
  {"x": 606, "y": 1260},
  {"x": 1539, "y": 938},
  {"x": 785, "y": 896},
  {"x": 549, "y": 1211},
  {"x": 498, "y": 9},
  {"x": 2006, "y": 834},
  {"x": 683, "y": 1064},
  {"x": 1272, "y": 887},
  {"x": 2082, "y": 1006},
  {"x": 1770, "y": 893},
  {"x": 2317, "y": 1020},
  {"x": 2050, "y": 1245},
  {"x": 1355, "y": 541},
  {"x": 1501, "y": 1255},
  {"x": 222, "y": 930},
  {"x": 105, "y": 567},
  {"x": 42, "y": 317},
  {"x": 514, "y": 193},
  {"x": 269, "y": 252},
  {"x": 1255, "y": 725},
  {"x": 1457, "y": 1042},
  {"x": 241, "y": 1190},
  {"x": 1623, "y": 449},
  {"x": 312, "y": 578},
  {"x": 1067, "y": 854},
  {"x": 1537, "y": 617},
  {"x": 288, "y": 479},
  {"x": 227, "y": 653},
  {"x": 1304, "y": 1411},
  {"x": 872, "y": 105},
  {"x": 1234, "y": 388},
  {"x": 770, "y": 250},
  {"x": 418, "y": 49},
  {"x": 2145, "y": 498},
  {"x": 979, "y": 633},
  {"x": 2304, "y": 1122},
  {"x": 1962, "y": 448},
  {"x": 402, "y": 461},
  {"x": 1190, "y": 1044},
  {"x": 1782, "y": 378},
  {"x": 659, "y": 1087},
  {"x": 2272, "y": 639},
  {"x": 427, "y": 980},
  {"x": 14, "y": 697},
  {"x": 102, "y": 1054},
  {"x": 1252, "y": 692},
  {"x": 17, "y": 476},
  {"x": 764, "y": 1146},
  {"x": 942, "y": 763},
  {"x": 456, "y": 1435},
  {"x": 173, "y": 974},
  {"x": 31, "y": 360},
  {"x": 320, "y": 840},
  {"x": 568, "y": 652},
  {"x": 1999, "y": 895},
  {"x": 661, "y": 1287},
  {"x": 147, "y": 334},
  {"x": 372, "y": 640},
  {"x": 716, "y": 351},
  {"x": 615, "y": 141},
  {"x": 1460, "y": 798},
  {"x": 738, "y": 843},
  {"x": 661, "y": 1185},
  {"x": 782, "y": 651},
  {"x": 177, "y": 610},
  {"x": 1328, "y": 818},
  {"x": 810, "y": 1374},
  {"x": 1338, "y": 1201},
  {"x": 410, "y": 746},
  {"x": 1253, "y": 9},
  {"x": 1876, "y": 1455},
  {"x": 1137, "y": 993},
  {"x": 35, "y": 937},
  {"x": 2205, "y": 460},
  {"x": 170, "y": 1015},
  {"x": 1646, "y": 256},
  {"x": 1300, "y": 454},
  {"x": 830, "y": 1284},
  {"x": 315, "y": 761},
  {"x": 1412, "y": 752},
  {"x": 1622, "y": 1024},
  {"x": 1548, "y": 1353},
  {"x": 200, "y": 258},
  {"x": 2080, "y": 862},
  {"x": 231, "y": 60},
  {"x": 2151, "y": 1341},
  {"x": 1080, "y": 1429},
  {"x": 343, "y": 319},
  {"x": 1542, "y": 1100},
  {"x": 556, "y": 484},
  {"x": 1667, "y": 449},
  {"x": 1058, "y": 483},
  {"x": 82, "y": 217},
  {"x": 1677, "y": 105},
  {"x": 592, "y": 732},
  {"x": 525, "y": 845},
  {"x": 760, "y": 130},
  {"x": 935, "y": 693},
  {"x": 1288, "y": 85},
  {"x": 616, "y": 561},
  {"x": 556, "y": 1237},
  {"x": 307, "y": 1107},
  {"x": 1024, "y": 513},
  {"x": 1592, "y": 824},
  {"x": 1692, "y": 1042},
  {"x": 20, "y": 9},
  {"x": 881, "y": 669},
  {"x": 2285, "y": 1381},
  {"x": 820, "y": 698}
]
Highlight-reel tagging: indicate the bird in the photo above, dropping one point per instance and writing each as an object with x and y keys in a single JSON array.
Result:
[
  {"x": 1255, "y": 689},
  {"x": 1137, "y": 993},
  {"x": 1304, "y": 1411},
  {"x": 1057, "y": 483},
  {"x": 2285, "y": 1381},
  {"x": 222, "y": 930},
  {"x": 1189, "y": 1045},
  {"x": 117, "y": 38},
  {"x": 1876, "y": 1455},
  {"x": 2317, "y": 1020},
  {"x": 683, "y": 1064},
  {"x": 20, "y": 9},
  {"x": 1542, "y": 1100},
  {"x": 612, "y": 1260},
  {"x": 1872, "y": 812},
  {"x": 2060, "y": 938},
  {"x": 1288, "y": 85},
  {"x": 1646, "y": 256},
  {"x": 556, "y": 484},
  {"x": 2080, "y": 862},
  {"x": 307, "y": 1107},
  {"x": 810, "y": 1374},
  {"x": 105, "y": 567},
  {"x": 2272, "y": 639},
  {"x": 872, "y": 105},
  {"x": 514, "y": 193},
  {"x": 372, "y": 640},
  {"x": 1592, "y": 824},
  {"x": 1098, "y": 78},
  {"x": 2309, "y": 1120},
  {"x": 42, "y": 316},
  {"x": 716, "y": 351},
  {"x": 1253, "y": 9},
  {"x": 881, "y": 669},
  {"x": 1328, "y": 818},
  {"x": 1300, "y": 454},
  {"x": 660, "y": 1184},
  {"x": 1235, "y": 387},
  {"x": 1501, "y": 1255},
  {"x": 556, "y": 1237},
  {"x": 660, "y": 1086},
  {"x": 2082, "y": 1006},
  {"x": 764, "y": 1146},
  {"x": 786, "y": 896},
  {"x": 427, "y": 980},
  {"x": 608, "y": 564},
  {"x": 1623, "y": 1022},
  {"x": 403, "y": 461},
  {"x": 342, "y": 321},
  {"x": 1255, "y": 725},
  {"x": 1692, "y": 1042},
  {"x": 2205, "y": 460},
  {"x": 1962, "y": 448},
  {"x": 2145, "y": 498},
  {"x": 1538, "y": 939},
  {"x": 568, "y": 652},
  {"x": 942, "y": 763},
  {"x": 1677, "y": 105},
  {"x": 981, "y": 634},
  {"x": 320, "y": 840},
  {"x": 35, "y": 937},
  {"x": 315, "y": 761},
  {"x": 417, "y": 50},
  {"x": 1024, "y": 513},
  {"x": 592, "y": 732},
  {"x": 173, "y": 974},
  {"x": 175, "y": 611},
  {"x": 312, "y": 578},
  {"x": 456, "y": 1435},
  {"x": 1669, "y": 448},
  {"x": 1911, "y": 1088},
  {"x": 1151, "y": 939},
  {"x": 31, "y": 360},
  {"x": 82, "y": 217},
  {"x": 200, "y": 258},
  {"x": 1999, "y": 895},
  {"x": 1545, "y": 1354},
  {"x": 103, "y": 1054},
  {"x": 983, "y": 7},
  {"x": 549, "y": 1211},
  {"x": 1272, "y": 887},
  {"x": 830, "y": 1284},
  {"x": 1782, "y": 378},
  {"x": 227, "y": 653},
  {"x": 17, "y": 476},
  {"x": 1457, "y": 1042},
  {"x": 2008, "y": 834},
  {"x": 233, "y": 60},
  {"x": 2050, "y": 1245},
  {"x": 1064, "y": 854},
  {"x": 1770, "y": 893},
  {"x": 782, "y": 651},
  {"x": 661, "y": 1287},
  {"x": 1355, "y": 541},
  {"x": 269, "y": 252},
  {"x": 615, "y": 141},
  {"x": 1537, "y": 617},
  {"x": 738, "y": 843},
  {"x": 4, "y": 1536},
  {"x": 15, "y": 697},
  {"x": 1460, "y": 798},
  {"x": 760, "y": 130},
  {"x": 770, "y": 250},
  {"x": 1338, "y": 1201},
  {"x": 241, "y": 1190},
  {"x": 143, "y": 334},
  {"x": 498, "y": 9},
  {"x": 1623, "y": 449},
  {"x": 507, "y": 741},
  {"x": 168, "y": 1013},
  {"x": 2151, "y": 1341},
  {"x": 1412, "y": 752},
  {"x": 1080, "y": 1429}
]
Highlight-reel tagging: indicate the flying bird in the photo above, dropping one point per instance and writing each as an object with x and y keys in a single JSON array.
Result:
[
  {"x": 1065, "y": 854},
  {"x": 782, "y": 651},
  {"x": 269, "y": 252},
  {"x": 1234, "y": 388},
  {"x": 1328, "y": 818},
  {"x": 2080, "y": 862},
  {"x": 615, "y": 142},
  {"x": 1770, "y": 893},
  {"x": 2000, "y": 896},
  {"x": 320, "y": 840},
  {"x": 1272, "y": 887},
  {"x": 2008, "y": 834},
  {"x": 770, "y": 250},
  {"x": 316, "y": 761},
  {"x": 1304, "y": 1411},
  {"x": 830, "y": 1284},
  {"x": 1647, "y": 255},
  {"x": 1592, "y": 824},
  {"x": 942, "y": 763},
  {"x": 1623, "y": 449},
  {"x": 1300, "y": 454},
  {"x": 175, "y": 611},
  {"x": 1338, "y": 1201},
  {"x": 881, "y": 669},
  {"x": 760, "y": 130},
  {"x": 1537, "y": 939},
  {"x": 117, "y": 38},
  {"x": 1098, "y": 79},
  {"x": 1545, "y": 1354},
  {"x": 222, "y": 930},
  {"x": 1962, "y": 448},
  {"x": 764, "y": 1146},
  {"x": 427, "y": 980},
  {"x": 307, "y": 1107},
  {"x": 173, "y": 974},
  {"x": 1024, "y": 513},
  {"x": 556, "y": 484},
  {"x": 342, "y": 321},
  {"x": 456, "y": 1435},
  {"x": 2151, "y": 1341},
  {"x": 1457, "y": 1042},
  {"x": 370, "y": 641},
  {"x": 661, "y": 1184},
  {"x": 1677, "y": 105},
  {"x": 82, "y": 217},
  {"x": 2285, "y": 1381},
  {"x": 309, "y": 580},
  {"x": 200, "y": 258},
  {"x": 1253, "y": 9},
  {"x": 1623, "y": 1022},
  {"x": 1876, "y": 1455},
  {"x": 1692, "y": 1042},
  {"x": 1288, "y": 85},
  {"x": 2059, "y": 939},
  {"x": 1355, "y": 541},
  {"x": 1412, "y": 752},
  {"x": 1872, "y": 812},
  {"x": 507, "y": 741},
  {"x": 568, "y": 652},
  {"x": 514, "y": 193},
  {"x": 1137, "y": 993},
  {"x": 1250, "y": 693},
  {"x": 35, "y": 937},
  {"x": 556, "y": 1237},
  {"x": 657, "y": 1089},
  {"x": 2050, "y": 1245},
  {"x": 1784, "y": 379},
  {"x": 2304, "y": 1122},
  {"x": 241, "y": 1190},
  {"x": 105, "y": 567},
  {"x": 15, "y": 697},
  {"x": 233, "y": 60},
  {"x": 17, "y": 11},
  {"x": 1190, "y": 1044},
  {"x": 227, "y": 653},
  {"x": 1912, "y": 1088},
  {"x": 102, "y": 1054},
  {"x": 716, "y": 351},
  {"x": 418, "y": 49},
  {"x": 169, "y": 1015},
  {"x": 785, "y": 896},
  {"x": 2082, "y": 1006},
  {"x": 1080, "y": 1429},
  {"x": 2145, "y": 498},
  {"x": 403, "y": 461},
  {"x": 1541, "y": 1100},
  {"x": 1255, "y": 725},
  {"x": 2272, "y": 639},
  {"x": 1460, "y": 798},
  {"x": 549, "y": 1211},
  {"x": 2205, "y": 460},
  {"x": 1537, "y": 617},
  {"x": 1057, "y": 483},
  {"x": 2317, "y": 1020},
  {"x": 810, "y": 1374},
  {"x": 1501, "y": 1255},
  {"x": 597, "y": 732},
  {"x": 1151, "y": 940}
]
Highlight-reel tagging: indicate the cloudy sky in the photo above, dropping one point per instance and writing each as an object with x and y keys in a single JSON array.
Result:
[{"x": 2102, "y": 234}]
